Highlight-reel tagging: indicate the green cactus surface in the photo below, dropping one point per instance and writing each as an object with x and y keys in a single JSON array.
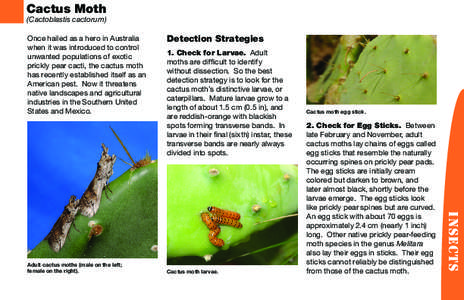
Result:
[
  {"x": 257, "y": 192},
  {"x": 394, "y": 69},
  {"x": 327, "y": 88},
  {"x": 128, "y": 220}
]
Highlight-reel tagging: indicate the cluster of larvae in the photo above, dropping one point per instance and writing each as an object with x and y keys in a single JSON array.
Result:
[{"x": 219, "y": 216}]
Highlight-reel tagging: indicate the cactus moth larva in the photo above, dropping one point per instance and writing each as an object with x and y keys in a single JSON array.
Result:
[
  {"x": 207, "y": 220},
  {"x": 226, "y": 221},
  {"x": 214, "y": 239},
  {"x": 224, "y": 213}
]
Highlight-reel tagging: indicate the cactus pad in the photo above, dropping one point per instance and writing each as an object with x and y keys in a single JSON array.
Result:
[{"x": 394, "y": 69}]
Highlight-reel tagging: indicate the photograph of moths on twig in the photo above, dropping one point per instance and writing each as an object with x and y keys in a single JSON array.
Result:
[
  {"x": 232, "y": 214},
  {"x": 371, "y": 69},
  {"x": 92, "y": 189}
]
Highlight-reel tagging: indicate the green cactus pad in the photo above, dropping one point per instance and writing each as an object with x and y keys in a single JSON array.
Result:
[
  {"x": 394, "y": 69},
  {"x": 129, "y": 222},
  {"x": 256, "y": 192}
]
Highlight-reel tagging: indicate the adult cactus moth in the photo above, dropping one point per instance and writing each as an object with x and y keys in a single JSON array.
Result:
[
  {"x": 60, "y": 230},
  {"x": 90, "y": 200}
]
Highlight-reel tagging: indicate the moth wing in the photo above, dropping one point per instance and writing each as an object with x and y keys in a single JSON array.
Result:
[
  {"x": 89, "y": 208},
  {"x": 57, "y": 236},
  {"x": 54, "y": 239}
]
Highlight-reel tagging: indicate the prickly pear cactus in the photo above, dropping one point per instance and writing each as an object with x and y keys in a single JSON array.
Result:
[
  {"x": 125, "y": 226},
  {"x": 394, "y": 69},
  {"x": 327, "y": 88},
  {"x": 256, "y": 192}
]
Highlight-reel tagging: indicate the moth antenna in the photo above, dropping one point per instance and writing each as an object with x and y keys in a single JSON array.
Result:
[
  {"x": 125, "y": 162},
  {"x": 125, "y": 149}
]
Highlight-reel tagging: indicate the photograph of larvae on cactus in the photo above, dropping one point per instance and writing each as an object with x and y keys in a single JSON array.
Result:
[
  {"x": 371, "y": 69},
  {"x": 92, "y": 189},
  {"x": 232, "y": 214}
]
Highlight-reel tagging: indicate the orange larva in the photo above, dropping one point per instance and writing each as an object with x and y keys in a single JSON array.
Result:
[
  {"x": 214, "y": 239},
  {"x": 226, "y": 221},
  {"x": 224, "y": 213},
  {"x": 207, "y": 220}
]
